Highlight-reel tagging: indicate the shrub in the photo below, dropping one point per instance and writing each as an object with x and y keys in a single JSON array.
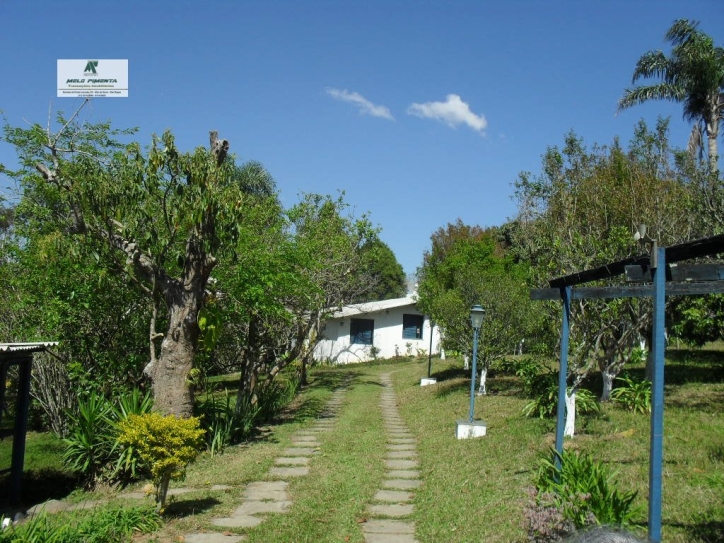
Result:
[
  {"x": 127, "y": 463},
  {"x": 90, "y": 442},
  {"x": 223, "y": 423},
  {"x": 583, "y": 490},
  {"x": 166, "y": 444},
  {"x": 92, "y": 447},
  {"x": 534, "y": 378},
  {"x": 275, "y": 396},
  {"x": 543, "y": 521},
  {"x": 100, "y": 525},
  {"x": 545, "y": 405},
  {"x": 633, "y": 395}
]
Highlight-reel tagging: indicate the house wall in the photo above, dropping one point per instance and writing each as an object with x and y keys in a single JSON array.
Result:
[{"x": 336, "y": 346}]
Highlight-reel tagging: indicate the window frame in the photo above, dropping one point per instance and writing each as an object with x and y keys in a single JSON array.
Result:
[
  {"x": 410, "y": 320},
  {"x": 358, "y": 328}
]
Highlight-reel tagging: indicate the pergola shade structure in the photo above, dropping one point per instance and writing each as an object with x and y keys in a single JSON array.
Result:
[
  {"x": 661, "y": 278},
  {"x": 20, "y": 355}
]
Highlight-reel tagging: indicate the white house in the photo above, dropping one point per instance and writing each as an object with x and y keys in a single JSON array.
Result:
[{"x": 384, "y": 329}]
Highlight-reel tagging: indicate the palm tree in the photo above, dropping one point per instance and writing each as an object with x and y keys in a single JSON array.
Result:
[{"x": 692, "y": 75}]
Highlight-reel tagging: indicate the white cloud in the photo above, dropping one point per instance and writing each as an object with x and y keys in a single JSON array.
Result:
[
  {"x": 364, "y": 105},
  {"x": 452, "y": 112}
]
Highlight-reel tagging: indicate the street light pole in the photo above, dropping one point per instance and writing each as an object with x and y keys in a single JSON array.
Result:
[
  {"x": 477, "y": 313},
  {"x": 429, "y": 355},
  {"x": 472, "y": 379}
]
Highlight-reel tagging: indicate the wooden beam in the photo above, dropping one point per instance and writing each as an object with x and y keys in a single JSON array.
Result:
[
  {"x": 638, "y": 291},
  {"x": 695, "y": 249},
  {"x": 603, "y": 272},
  {"x": 678, "y": 272},
  {"x": 684, "y": 251}
]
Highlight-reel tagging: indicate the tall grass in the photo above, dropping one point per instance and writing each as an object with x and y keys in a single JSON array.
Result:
[{"x": 110, "y": 524}]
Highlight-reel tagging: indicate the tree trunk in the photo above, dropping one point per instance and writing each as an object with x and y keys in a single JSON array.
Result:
[
  {"x": 649, "y": 373},
  {"x": 570, "y": 426},
  {"x": 608, "y": 376},
  {"x": 483, "y": 377},
  {"x": 162, "y": 491},
  {"x": 712, "y": 134},
  {"x": 172, "y": 391},
  {"x": 247, "y": 385},
  {"x": 303, "y": 381}
]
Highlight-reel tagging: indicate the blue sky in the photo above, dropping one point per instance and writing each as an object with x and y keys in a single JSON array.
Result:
[{"x": 421, "y": 111}]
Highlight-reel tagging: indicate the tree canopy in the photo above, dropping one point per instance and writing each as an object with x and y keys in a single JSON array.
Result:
[
  {"x": 469, "y": 265},
  {"x": 692, "y": 75},
  {"x": 135, "y": 237}
]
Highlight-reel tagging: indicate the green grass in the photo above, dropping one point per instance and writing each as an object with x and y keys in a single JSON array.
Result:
[
  {"x": 106, "y": 524},
  {"x": 44, "y": 477},
  {"x": 474, "y": 490}
]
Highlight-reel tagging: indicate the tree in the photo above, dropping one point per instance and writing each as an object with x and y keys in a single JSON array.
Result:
[
  {"x": 380, "y": 266},
  {"x": 163, "y": 218},
  {"x": 453, "y": 248},
  {"x": 328, "y": 254},
  {"x": 697, "y": 319},
  {"x": 581, "y": 212},
  {"x": 294, "y": 267},
  {"x": 693, "y": 75},
  {"x": 466, "y": 266}
]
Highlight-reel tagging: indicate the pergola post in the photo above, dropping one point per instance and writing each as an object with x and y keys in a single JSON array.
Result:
[
  {"x": 657, "y": 398},
  {"x": 563, "y": 373},
  {"x": 21, "y": 427}
]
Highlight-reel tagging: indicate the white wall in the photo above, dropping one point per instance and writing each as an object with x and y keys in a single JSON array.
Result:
[{"x": 387, "y": 335}]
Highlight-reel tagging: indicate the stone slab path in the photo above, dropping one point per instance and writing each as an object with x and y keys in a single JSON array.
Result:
[
  {"x": 392, "y": 504},
  {"x": 263, "y": 497},
  {"x": 388, "y": 513}
]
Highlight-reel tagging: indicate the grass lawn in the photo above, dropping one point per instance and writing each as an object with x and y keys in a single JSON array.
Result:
[
  {"x": 45, "y": 477},
  {"x": 474, "y": 490}
]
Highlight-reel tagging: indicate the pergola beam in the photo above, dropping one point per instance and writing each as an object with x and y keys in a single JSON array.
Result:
[
  {"x": 676, "y": 253},
  {"x": 637, "y": 291}
]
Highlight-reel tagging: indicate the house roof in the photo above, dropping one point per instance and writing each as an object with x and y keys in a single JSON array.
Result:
[{"x": 374, "y": 307}]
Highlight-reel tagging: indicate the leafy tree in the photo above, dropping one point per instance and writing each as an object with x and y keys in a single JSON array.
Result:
[
  {"x": 328, "y": 255},
  {"x": 693, "y": 75},
  {"x": 380, "y": 267},
  {"x": 581, "y": 212},
  {"x": 294, "y": 267},
  {"x": 466, "y": 266},
  {"x": 162, "y": 217},
  {"x": 699, "y": 319},
  {"x": 97, "y": 317}
]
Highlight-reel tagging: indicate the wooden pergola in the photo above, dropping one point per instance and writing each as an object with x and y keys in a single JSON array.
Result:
[
  {"x": 683, "y": 280},
  {"x": 21, "y": 355}
]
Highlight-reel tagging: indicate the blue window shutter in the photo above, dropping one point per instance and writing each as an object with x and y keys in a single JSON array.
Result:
[
  {"x": 361, "y": 331},
  {"x": 412, "y": 326}
]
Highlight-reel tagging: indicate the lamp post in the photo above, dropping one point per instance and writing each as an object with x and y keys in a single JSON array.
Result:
[
  {"x": 477, "y": 314},
  {"x": 429, "y": 355},
  {"x": 429, "y": 380}
]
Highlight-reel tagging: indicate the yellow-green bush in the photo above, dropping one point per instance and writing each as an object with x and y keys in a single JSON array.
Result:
[{"x": 166, "y": 444}]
